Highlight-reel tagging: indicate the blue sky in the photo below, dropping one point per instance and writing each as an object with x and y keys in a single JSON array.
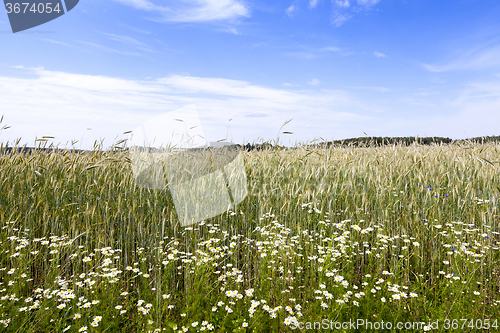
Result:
[{"x": 337, "y": 68}]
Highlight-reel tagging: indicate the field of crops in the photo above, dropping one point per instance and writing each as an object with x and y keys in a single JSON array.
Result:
[{"x": 392, "y": 234}]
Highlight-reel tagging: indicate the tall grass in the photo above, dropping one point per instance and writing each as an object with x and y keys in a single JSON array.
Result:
[{"x": 370, "y": 214}]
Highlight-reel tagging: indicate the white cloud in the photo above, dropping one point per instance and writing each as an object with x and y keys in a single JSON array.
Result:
[
  {"x": 56, "y": 42},
  {"x": 42, "y": 102},
  {"x": 314, "y": 82},
  {"x": 232, "y": 31},
  {"x": 379, "y": 55},
  {"x": 339, "y": 19},
  {"x": 127, "y": 41},
  {"x": 307, "y": 55},
  {"x": 122, "y": 39},
  {"x": 226, "y": 87},
  {"x": 65, "y": 104},
  {"x": 313, "y": 53},
  {"x": 342, "y": 3},
  {"x": 136, "y": 30},
  {"x": 143, "y": 5},
  {"x": 208, "y": 10},
  {"x": 488, "y": 90},
  {"x": 290, "y": 11},
  {"x": 475, "y": 112},
  {"x": 331, "y": 49},
  {"x": 193, "y": 10},
  {"x": 479, "y": 57},
  {"x": 341, "y": 12},
  {"x": 379, "y": 89},
  {"x": 313, "y": 3},
  {"x": 108, "y": 49},
  {"x": 368, "y": 3},
  {"x": 255, "y": 114}
]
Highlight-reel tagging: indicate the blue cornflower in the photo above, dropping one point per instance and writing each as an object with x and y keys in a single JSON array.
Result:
[
  {"x": 425, "y": 220},
  {"x": 446, "y": 195},
  {"x": 436, "y": 196},
  {"x": 430, "y": 189}
]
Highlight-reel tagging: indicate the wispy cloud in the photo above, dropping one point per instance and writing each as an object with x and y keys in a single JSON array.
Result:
[
  {"x": 225, "y": 87},
  {"x": 479, "y": 57},
  {"x": 331, "y": 49},
  {"x": 193, "y": 10},
  {"x": 379, "y": 89},
  {"x": 342, "y": 3},
  {"x": 256, "y": 115},
  {"x": 368, "y": 3},
  {"x": 313, "y": 53},
  {"x": 313, "y": 3},
  {"x": 344, "y": 9},
  {"x": 122, "y": 39},
  {"x": 306, "y": 55},
  {"x": 314, "y": 82},
  {"x": 479, "y": 90},
  {"x": 143, "y": 5},
  {"x": 206, "y": 11},
  {"x": 290, "y": 11},
  {"x": 379, "y": 55},
  {"x": 338, "y": 19},
  {"x": 475, "y": 111},
  {"x": 109, "y": 49},
  {"x": 127, "y": 40},
  {"x": 137, "y": 30},
  {"x": 56, "y": 42},
  {"x": 232, "y": 30},
  {"x": 65, "y": 104}
]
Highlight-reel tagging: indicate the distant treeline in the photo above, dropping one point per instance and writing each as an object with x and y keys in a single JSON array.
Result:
[
  {"x": 30, "y": 150},
  {"x": 383, "y": 141},
  {"x": 407, "y": 141},
  {"x": 353, "y": 142}
]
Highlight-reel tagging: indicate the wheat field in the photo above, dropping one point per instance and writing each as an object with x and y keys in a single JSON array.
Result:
[{"x": 393, "y": 234}]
